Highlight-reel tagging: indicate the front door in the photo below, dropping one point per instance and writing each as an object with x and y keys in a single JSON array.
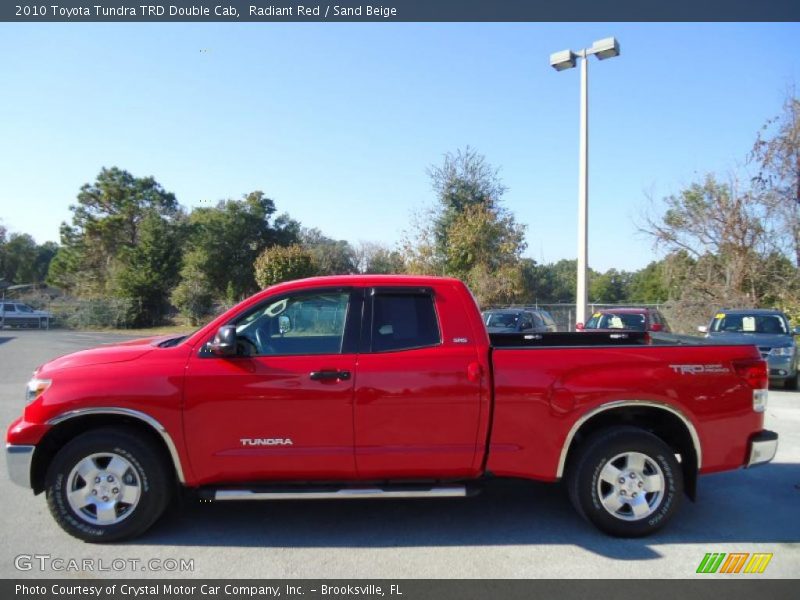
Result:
[{"x": 283, "y": 407}]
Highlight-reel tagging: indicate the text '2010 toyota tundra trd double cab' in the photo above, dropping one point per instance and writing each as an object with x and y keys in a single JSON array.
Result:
[{"x": 382, "y": 386}]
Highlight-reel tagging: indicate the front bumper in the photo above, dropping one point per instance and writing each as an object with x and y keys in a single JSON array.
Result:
[
  {"x": 19, "y": 459},
  {"x": 781, "y": 367},
  {"x": 763, "y": 447}
]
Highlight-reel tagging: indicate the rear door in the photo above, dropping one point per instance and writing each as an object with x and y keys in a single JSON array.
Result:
[{"x": 418, "y": 389}]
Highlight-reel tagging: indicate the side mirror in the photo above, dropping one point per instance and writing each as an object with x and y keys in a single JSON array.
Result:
[
  {"x": 796, "y": 330},
  {"x": 702, "y": 328},
  {"x": 656, "y": 327},
  {"x": 579, "y": 326},
  {"x": 224, "y": 343}
]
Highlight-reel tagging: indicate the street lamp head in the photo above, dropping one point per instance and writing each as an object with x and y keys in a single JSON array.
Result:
[
  {"x": 563, "y": 60},
  {"x": 605, "y": 48}
]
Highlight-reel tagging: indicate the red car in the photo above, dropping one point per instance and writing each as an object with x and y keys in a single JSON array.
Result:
[
  {"x": 382, "y": 387},
  {"x": 626, "y": 319}
]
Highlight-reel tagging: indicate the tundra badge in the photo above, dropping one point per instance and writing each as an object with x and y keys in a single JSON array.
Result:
[{"x": 266, "y": 441}]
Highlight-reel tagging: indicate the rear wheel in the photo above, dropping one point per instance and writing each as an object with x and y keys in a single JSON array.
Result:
[
  {"x": 625, "y": 481},
  {"x": 107, "y": 485}
]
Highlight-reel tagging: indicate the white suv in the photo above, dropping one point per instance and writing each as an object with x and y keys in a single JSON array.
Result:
[{"x": 16, "y": 314}]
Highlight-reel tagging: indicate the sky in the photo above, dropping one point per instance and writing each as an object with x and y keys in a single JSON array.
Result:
[{"x": 339, "y": 122}]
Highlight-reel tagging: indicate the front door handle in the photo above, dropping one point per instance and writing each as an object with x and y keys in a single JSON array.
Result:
[{"x": 328, "y": 375}]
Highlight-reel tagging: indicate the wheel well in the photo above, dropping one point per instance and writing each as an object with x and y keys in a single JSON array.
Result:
[
  {"x": 59, "y": 435},
  {"x": 661, "y": 423}
]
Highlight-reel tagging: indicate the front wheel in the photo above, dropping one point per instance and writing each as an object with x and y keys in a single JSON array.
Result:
[
  {"x": 107, "y": 485},
  {"x": 625, "y": 481}
]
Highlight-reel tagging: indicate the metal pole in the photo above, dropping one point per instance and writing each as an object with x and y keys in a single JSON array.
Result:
[{"x": 583, "y": 196}]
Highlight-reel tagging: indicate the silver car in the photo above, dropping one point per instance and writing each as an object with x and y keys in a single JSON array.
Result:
[
  {"x": 767, "y": 329},
  {"x": 16, "y": 314}
]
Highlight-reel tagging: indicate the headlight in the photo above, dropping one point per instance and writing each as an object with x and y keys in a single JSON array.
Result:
[
  {"x": 785, "y": 351},
  {"x": 35, "y": 388}
]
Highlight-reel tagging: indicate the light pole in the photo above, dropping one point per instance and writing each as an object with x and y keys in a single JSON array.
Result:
[{"x": 560, "y": 61}]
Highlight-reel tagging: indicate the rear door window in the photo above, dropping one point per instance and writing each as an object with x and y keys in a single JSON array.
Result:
[{"x": 403, "y": 321}]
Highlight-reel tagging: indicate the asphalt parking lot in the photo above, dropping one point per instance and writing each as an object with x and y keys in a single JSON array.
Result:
[{"x": 512, "y": 530}]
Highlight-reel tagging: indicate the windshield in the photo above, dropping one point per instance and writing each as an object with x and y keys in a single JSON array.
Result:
[
  {"x": 633, "y": 321},
  {"x": 501, "y": 320},
  {"x": 24, "y": 308},
  {"x": 744, "y": 323}
]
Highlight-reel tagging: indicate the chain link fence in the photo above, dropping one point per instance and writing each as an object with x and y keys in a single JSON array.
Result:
[
  {"x": 564, "y": 314},
  {"x": 74, "y": 313}
]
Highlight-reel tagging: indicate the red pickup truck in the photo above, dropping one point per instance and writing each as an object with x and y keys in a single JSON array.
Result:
[{"x": 382, "y": 387}]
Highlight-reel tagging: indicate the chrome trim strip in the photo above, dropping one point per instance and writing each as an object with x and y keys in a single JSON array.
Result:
[
  {"x": 127, "y": 412},
  {"x": 762, "y": 452},
  {"x": 346, "y": 494},
  {"x": 18, "y": 461},
  {"x": 621, "y": 403}
]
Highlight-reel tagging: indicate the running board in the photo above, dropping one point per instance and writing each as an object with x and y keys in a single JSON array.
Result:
[{"x": 450, "y": 491}]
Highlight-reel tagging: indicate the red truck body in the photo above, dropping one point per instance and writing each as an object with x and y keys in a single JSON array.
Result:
[{"x": 452, "y": 411}]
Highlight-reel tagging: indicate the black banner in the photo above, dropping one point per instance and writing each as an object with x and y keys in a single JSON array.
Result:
[
  {"x": 375, "y": 589},
  {"x": 403, "y": 10}
]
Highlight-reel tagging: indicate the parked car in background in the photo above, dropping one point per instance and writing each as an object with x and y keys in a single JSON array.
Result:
[
  {"x": 769, "y": 330},
  {"x": 16, "y": 314},
  {"x": 626, "y": 319},
  {"x": 515, "y": 320}
]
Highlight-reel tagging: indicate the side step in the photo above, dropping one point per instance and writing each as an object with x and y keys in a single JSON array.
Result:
[{"x": 349, "y": 493}]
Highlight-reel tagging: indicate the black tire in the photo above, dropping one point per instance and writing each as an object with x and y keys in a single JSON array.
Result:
[
  {"x": 594, "y": 497},
  {"x": 145, "y": 476},
  {"x": 791, "y": 383}
]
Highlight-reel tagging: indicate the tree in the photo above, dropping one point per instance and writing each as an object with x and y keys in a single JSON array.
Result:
[
  {"x": 277, "y": 264},
  {"x": 611, "y": 287},
  {"x": 223, "y": 242},
  {"x": 123, "y": 242},
  {"x": 464, "y": 179},
  {"x": 146, "y": 272},
  {"x": 110, "y": 210},
  {"x": 777, "y": 154},
  {"x": 649, "y": 285},
  {"x": 371, "y": 257},
  {"x": 44, "y": 256},
  {"x": 720, "y": 238},
  {"x": 468, "y": 233},
  {"x": 194, "y": 295},
  {"x": 22, "y": 260},
  {"x": 332, "y": 257},
  {"x": 20, "y": 253},
  {"x": 563, "y": 280},
  {"x": 483, "y": 249}
]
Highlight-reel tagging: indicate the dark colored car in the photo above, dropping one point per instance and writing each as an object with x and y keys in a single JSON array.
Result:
[
  {"x": 626, "y": 319},
  {"x": 769, "y": 330},
  {"x": 516, "y": 320}
]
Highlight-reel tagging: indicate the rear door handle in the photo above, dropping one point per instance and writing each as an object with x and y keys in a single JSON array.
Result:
[{"x": 329, "y": 375}]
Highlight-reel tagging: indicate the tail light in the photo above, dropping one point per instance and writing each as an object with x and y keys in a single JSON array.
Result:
[{"x": 754, "y": 372}]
